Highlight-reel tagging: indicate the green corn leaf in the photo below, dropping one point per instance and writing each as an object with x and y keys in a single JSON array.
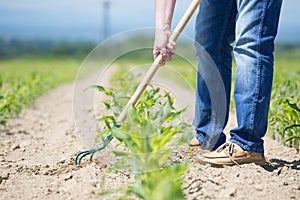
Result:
[
  {"x": 121, "y": 153},
  {"x": 293, "y": 105},
  {"x": 107, "y": 121},
  {"x": 292, "y": 138},
  {"x": 291, "y": 127},
  {"x": 98, "y": 87},
  {"x": 107, "y": 104},
  {"x": 131, "y": 114},
  {"x": 108, "y": 92}
]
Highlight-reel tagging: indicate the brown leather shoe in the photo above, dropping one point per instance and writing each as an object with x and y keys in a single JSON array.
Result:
[
  {"x": 231, "y": 154},
  {"x": 194, "y": 142}
]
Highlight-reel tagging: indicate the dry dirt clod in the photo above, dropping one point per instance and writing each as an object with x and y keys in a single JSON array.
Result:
[
  {"x": 62, "y": 160},
  {"x": 68, "y": 176},
  {"x": 230, "y": 192},
  {"x": 5, "y": 176},
  {"x": 259, "y": 187},
  {"x": 24, "y": 144},
  {"x": 15, "y": 147}
]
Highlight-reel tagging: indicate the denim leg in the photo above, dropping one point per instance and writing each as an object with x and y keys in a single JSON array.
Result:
[
  {"x": 256, "y": 29},
  {"x": 215, "y": 26}
]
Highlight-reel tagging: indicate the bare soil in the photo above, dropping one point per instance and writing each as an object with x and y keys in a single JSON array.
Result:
[{"x": 37, "y": 151}]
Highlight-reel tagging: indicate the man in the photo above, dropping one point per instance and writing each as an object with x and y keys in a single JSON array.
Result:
[{"x": 252, "y": 27}]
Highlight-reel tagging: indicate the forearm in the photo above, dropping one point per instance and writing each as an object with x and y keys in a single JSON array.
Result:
[
  {"x": 163, "y": 18},
  {"x": 163, "y": 13}
]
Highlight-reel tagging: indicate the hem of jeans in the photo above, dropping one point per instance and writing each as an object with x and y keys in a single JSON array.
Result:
[
  {"x": 201, "y": 138},
  {"x": 256, "y": 149}
]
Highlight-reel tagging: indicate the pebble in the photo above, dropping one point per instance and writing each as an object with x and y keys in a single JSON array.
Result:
[
  {"x": 15, "y": 147},
  {"x": 259, "y": 187},
  {"x": 46, "y": 166},
  {"x": 24, "y": 144},
  {"x": 94, "y": 182},
  {"x": 230, "y": 192},
  {"x": 61, "y": 161},
  {"x": 46, "y": 173},
  {"x": 5, "y": 176},
  {"x": 68, "y": 176}
]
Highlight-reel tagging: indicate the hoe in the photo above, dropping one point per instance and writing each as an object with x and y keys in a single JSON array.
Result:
[{"x": 142, "y": 86}]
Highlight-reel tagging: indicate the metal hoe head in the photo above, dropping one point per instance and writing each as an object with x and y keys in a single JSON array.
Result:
[{"x": 91, "y": 152}]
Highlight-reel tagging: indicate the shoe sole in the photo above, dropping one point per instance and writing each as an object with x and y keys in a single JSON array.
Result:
[{"x": 238, "y": 161}]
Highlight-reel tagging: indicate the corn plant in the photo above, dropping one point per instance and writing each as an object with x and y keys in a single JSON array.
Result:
[
  {"x": 152, "y": 130},
  {"x": 19, "y": 93},
  {"x": 285, "y": 114}
]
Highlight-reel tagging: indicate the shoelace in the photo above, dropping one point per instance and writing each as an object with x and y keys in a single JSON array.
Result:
[{"x": 228, "y": 149}]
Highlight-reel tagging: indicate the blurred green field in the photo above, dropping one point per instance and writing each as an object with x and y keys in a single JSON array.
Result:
[
  {"x": 62, "y": 69},
  {"x": 22, "y": 80}
]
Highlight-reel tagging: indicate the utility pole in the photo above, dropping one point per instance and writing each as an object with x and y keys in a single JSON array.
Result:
[{"x": 106, "y": 7}]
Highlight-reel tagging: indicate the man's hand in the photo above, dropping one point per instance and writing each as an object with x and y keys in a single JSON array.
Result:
[
  {"x": 163, "y": 17},
  {"x": 162, "y": 45}
]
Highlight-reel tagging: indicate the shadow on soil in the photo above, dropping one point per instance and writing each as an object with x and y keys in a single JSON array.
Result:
[{"x": 278, "y": 164}]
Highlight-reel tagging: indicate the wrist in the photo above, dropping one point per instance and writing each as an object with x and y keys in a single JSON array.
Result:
[{"x": 165, "y": 29}]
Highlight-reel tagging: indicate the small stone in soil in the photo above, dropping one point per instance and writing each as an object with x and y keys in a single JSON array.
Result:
[
  {"x": 45, "y": 173},
  {"x": 24, "y": 144},
  {"x": 259, "y": 188},
  {"x": 230, "y": 192},
  {"x": 68, "y": 176},
  {"x": 5, "y": 176},
  {"x": 61, "y": 161},
  {"x": 15, "y": 147}
]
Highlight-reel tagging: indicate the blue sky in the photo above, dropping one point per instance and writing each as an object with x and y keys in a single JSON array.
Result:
[{"x": 83, "y": 19}]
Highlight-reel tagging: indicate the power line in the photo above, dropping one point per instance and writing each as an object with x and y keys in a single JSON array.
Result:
[{"x": 106, "y": 22}]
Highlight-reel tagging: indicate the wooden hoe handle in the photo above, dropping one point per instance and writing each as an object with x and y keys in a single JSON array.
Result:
[{"x": 155, "y": 65}]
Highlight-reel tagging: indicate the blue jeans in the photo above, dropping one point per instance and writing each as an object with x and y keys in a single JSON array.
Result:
[{"x": 252, "y": 26}]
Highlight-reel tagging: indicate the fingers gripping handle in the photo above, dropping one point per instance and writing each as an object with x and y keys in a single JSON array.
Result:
[{"x": 155, "y": 65}]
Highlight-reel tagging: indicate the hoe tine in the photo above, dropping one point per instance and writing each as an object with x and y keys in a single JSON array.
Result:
[
  {"x": 82, "y": 154},
  {"x": 91, "y": 152}
]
